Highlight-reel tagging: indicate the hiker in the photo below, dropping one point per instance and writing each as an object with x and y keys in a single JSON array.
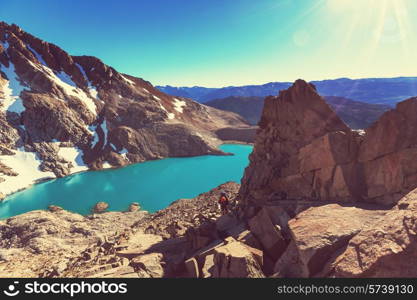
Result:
[{"x": 224, "y": 203}]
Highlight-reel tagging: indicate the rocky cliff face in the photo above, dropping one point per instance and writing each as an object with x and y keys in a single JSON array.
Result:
[
  {"x": 305, "y": 157},
  {"x": 60, "y": 114},
  {"x": 388, "y": 153},
  {"x": 304, "y": 151},
  {"x": 387, "y": 248}
]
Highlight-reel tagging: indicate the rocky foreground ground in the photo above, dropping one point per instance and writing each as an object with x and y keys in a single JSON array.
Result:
[
  {"x": 56, "y": 242},
  {"x": 191, "y": 239}
]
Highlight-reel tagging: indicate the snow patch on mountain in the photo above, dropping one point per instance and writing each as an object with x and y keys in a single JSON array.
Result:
[
  {"x": 5, "y": 45},
  {"x": 106, "y": 165},
  {"x": 82, "y": 71},
  {"x": 92, "y": 130},
  {"x": 65, "y": 78},
  {"x": 361, "y": 132},
  {"x": 123, "y": 153},
  {"x": 170, "y": 116},
  {"x": 105, "y": 130},
  {"x": 26, "y": 164},
  {"x": 127, "y": 80},
  {"x": 11, "y": 91},
  {"x": 64, "y": 82},
  {"x": 37, "y": 55},
  {"x": 93, "y": 92},
  {"x": 179, "y": 105},
  {"x": 73, "y": 155},
  {"x": 91, "y": 88}
]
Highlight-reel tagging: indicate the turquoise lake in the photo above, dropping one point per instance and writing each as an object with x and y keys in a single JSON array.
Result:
[{"x": 153, "y": 184}]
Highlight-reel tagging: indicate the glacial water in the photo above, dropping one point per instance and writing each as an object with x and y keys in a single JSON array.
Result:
[{"x": 153, "y": 184}]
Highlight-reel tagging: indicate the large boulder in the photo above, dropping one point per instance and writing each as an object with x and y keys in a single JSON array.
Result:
[
  {"x": 134, "y": 206},
  {"x": 288, "y": 265},
  {"x": 54, "y": 208},
  {"x": 268, "y": 234},
  {"x": 248, "y": 238},
  {"x": 200, "y": 237},
  {"x": 393, "y": 131},
  {"x": 388, "y": 248},
  {"x": 226, "y": 222},
  {"x": 148, "y": 265},
  {"x": 100, "y": 207},
  {"x": 388, "y": 153},
  {"x": 317, "y": 234},
  {"x": 234, "y": 260}
]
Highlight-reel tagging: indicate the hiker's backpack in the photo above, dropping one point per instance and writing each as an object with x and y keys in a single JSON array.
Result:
[{"x": 223, "y": 200}]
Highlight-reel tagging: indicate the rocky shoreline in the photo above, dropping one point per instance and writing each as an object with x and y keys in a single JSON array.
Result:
[
  {"x": 239, "y": 135},
  {"x": 55, "y": 241},
  {"x": 4, "y": 196}
]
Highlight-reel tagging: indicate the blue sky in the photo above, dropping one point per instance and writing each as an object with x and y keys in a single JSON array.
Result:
[{"x": 230, "y": 42}]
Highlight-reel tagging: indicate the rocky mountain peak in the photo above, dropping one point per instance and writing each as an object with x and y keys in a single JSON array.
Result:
[
  {"x": 299, "y": 87},
  {"x": 295, "y": 126},
  {"x": 73, "y": 113},
  {"x": 304, "y": 151},
  {"x": 301, "y": 110}
]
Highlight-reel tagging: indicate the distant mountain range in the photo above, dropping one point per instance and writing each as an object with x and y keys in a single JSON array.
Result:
[
  {"x": 370, "y": 90},
  {"x": 248, "y": 107},
  {"x": 356, "y": 114}
]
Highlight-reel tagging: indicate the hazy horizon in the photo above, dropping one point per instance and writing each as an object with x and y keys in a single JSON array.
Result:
[
  {"x": 256, "y": 84},
  {"x": 231, "y": 43}
]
